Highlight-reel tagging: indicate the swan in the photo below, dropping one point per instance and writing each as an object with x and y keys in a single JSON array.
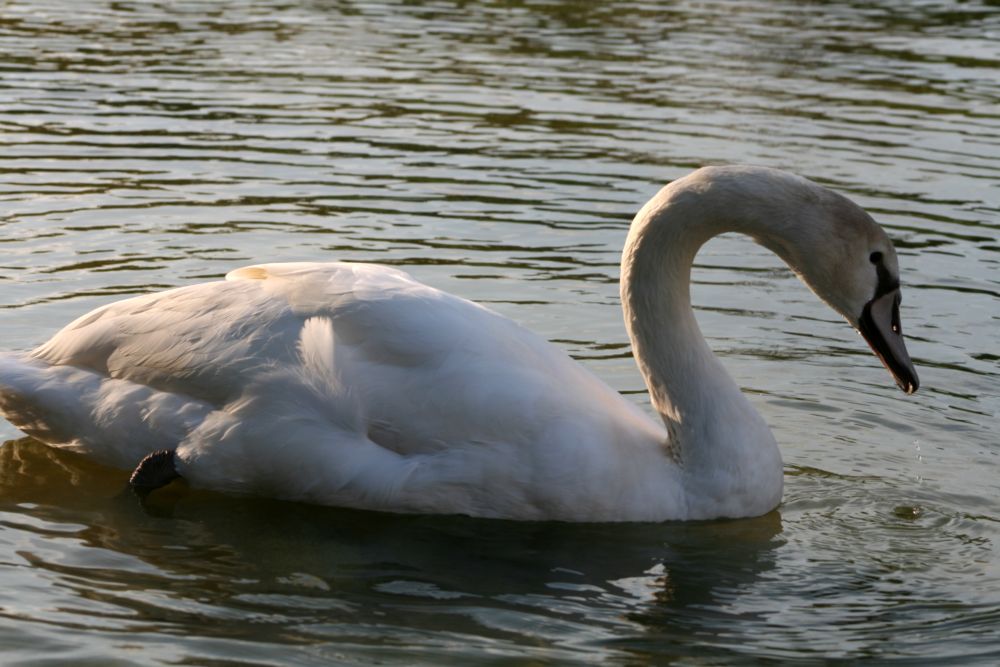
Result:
[{"x": 354, "y": 385}]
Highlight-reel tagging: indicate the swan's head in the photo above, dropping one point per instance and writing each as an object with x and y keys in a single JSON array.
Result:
[
  {"x": 846, "y": 258},
  {"x": 830, "y": 242}
]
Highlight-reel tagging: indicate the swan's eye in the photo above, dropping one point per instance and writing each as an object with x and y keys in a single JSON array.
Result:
[{"x": 875, "y": 257}]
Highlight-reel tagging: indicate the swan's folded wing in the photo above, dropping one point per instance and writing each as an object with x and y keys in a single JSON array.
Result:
[
  {"x": 208, "y": 340},
  {"x": 194, "y": 340}
]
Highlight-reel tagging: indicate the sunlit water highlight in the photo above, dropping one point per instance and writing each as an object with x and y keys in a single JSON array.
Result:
[{"x": 498, "y": 150}]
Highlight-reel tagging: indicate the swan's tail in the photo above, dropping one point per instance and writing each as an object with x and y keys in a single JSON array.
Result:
[
  {"x": 297, "y": 431},
  {"x": 28, "y": 392},
  {"x": 114, "y": 421}
]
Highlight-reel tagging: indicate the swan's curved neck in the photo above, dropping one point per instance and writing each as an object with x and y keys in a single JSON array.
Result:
[
  {"x": 711, "y": 424},
  {"x": 680, "y": 370}
]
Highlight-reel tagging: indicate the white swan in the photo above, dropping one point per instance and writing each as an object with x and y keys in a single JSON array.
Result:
[{"x": 354, "y": 385}]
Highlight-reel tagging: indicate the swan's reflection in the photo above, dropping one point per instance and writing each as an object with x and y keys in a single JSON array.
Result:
[{"x": 282, "y": 572}]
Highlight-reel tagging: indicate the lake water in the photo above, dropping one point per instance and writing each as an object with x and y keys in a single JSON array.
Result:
[{"x": 498, "y": 150}]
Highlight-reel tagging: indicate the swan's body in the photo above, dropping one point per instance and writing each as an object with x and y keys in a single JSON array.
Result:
[{"x": 355, "y": 385}]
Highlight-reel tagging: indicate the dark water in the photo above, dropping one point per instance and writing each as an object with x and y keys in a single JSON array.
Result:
[{"x": 498, "y": 150}]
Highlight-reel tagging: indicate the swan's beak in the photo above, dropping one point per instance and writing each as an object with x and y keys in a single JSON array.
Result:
[{"x": 879, "y": 324}]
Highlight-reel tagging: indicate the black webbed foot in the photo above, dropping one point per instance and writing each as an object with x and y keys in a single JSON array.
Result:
[{"x": 154, "y": 471}]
